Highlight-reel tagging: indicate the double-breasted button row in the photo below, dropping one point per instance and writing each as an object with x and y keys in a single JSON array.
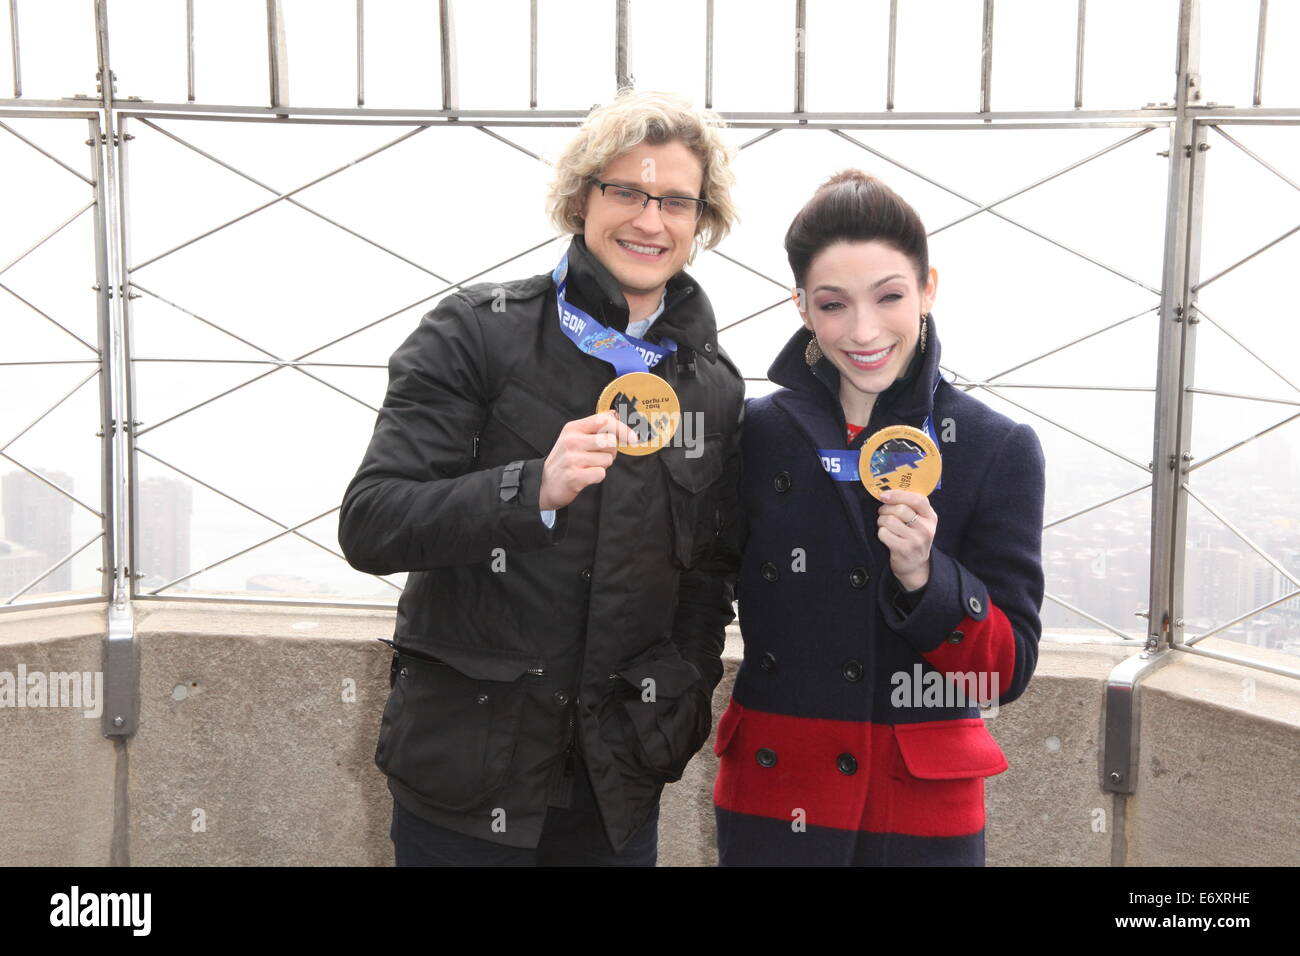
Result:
[{"x": 846, "y": 763}]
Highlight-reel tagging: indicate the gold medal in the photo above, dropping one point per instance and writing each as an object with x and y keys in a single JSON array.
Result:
[
  {"x": 646, "y": 404},
  {"x": 900, "y": 458}
]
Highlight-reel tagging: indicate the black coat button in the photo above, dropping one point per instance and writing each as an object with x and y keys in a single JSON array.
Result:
[
  {"x": 766, "y": 757},
  {"x": 769, "y": 571},
  {"x": 781, "y": 482},
  {"x": 974, "y": 604},
  {"x": 852, "y": 671},
  {"x": 767, "y": 661},
  {"x": 585, "y": 574},
  {"x": 482, "y": 698},
  {"x": 858, "y": 577},
  {"x": 561, "y": 697},
  {"x": 955, "y": 637},
  {"x": 847, "y": 763},
  {"x": 403, "y": 672}
]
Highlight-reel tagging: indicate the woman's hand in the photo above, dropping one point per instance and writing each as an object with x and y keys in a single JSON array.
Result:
[{"x": 906, "y": 525}]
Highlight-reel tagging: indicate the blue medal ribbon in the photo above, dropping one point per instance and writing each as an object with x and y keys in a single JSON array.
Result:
[
  {"x": 625, "y": 352},
  {"x": 842, "y": 465}
]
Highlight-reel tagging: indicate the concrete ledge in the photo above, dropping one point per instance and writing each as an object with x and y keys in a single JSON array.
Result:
[{"x": 258, "y": 726}]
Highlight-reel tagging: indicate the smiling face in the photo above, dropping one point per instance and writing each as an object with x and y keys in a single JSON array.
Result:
[
  {"x": 863, "y": 303},
  {"x": 642, "y": 248}
]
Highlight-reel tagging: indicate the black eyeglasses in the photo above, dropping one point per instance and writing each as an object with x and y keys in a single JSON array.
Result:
[{"x": 674, "y": 207}]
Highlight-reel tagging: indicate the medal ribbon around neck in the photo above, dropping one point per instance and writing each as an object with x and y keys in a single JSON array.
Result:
[
  {"x": 844, "y": 465},
  {"x": 645, "y": 402}
]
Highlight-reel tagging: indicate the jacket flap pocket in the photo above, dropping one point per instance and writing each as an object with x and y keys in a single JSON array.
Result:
[
  {"x": 694, "y": 474},
  {"x": 949, "y": 750},
  {"x": 529, "y": 415},
  {"x": 671, "y": 677},
  {"x": 478, "y": 663}
]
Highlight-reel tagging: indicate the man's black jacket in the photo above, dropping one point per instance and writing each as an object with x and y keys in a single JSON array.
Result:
[{"x": 605, "y": 631}]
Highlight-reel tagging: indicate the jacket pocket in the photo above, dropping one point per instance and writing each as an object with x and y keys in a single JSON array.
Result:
[
  {"x": 691, "y": 498},
  {"x": 949, "y": 750},
  {"x": 936, "y": 779},
  {"x": 451, "y": 722},
  {"x": 657, "y": 716},
  {"x": 529, "y": 415}
]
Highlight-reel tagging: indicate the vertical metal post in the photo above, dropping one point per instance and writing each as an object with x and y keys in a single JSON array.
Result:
[
  {"x": 13, "y": 42},
  {"x": 447, "y": 56},
  {"x": 1259, "y": 52},
  {"x": 189, "y": 49},
  {"x": 986, "y": 59},
  {"x": 532, "y": 54},
  {"x": 104, "y": 326},
  {"x": 126, "y": 373},
  {"x": 119, "y": 662},
  {"x": 893, "y": 44},
  {"x": 708, "y": 56},
  {"x": 1176, "y": 358},
  {"x": 800, "y": 44},
  {"x": 1078, "y": 56},
  {"x": 277, "y": 53},
  {"x": 361, "y": 52},
  {"x": 622, "y": 71}
]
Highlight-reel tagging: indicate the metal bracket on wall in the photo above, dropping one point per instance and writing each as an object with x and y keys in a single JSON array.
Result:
[
  {"x": 1121, "y": 720},
  {"x": 121, "y": 680}
]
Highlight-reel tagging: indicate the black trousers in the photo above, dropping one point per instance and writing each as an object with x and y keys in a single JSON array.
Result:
[{"x": 571, "y": 836}]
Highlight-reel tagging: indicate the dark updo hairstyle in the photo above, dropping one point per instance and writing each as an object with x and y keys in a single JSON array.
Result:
[{"x": 854, "y": 207}]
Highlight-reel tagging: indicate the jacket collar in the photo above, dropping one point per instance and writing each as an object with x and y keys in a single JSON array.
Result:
[
  {"x": 908, "y": 401},
  {"x": 687, "y": 317}
]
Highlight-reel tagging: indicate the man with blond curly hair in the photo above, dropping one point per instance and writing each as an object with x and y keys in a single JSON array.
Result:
[{"x": 560, "y": 634}]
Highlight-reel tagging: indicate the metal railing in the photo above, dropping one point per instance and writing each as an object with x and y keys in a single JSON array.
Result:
[{"x": 1186, "y": 121}]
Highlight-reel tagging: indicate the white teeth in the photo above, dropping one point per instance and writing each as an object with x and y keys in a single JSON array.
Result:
[
  {"x": 644, "y": 250},
  {"x": 867, "y": 358}
]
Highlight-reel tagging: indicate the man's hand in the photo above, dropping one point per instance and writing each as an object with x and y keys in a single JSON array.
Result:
[
  {"x": 906, "y": 524},
  {"x": 582, "y": 452}
]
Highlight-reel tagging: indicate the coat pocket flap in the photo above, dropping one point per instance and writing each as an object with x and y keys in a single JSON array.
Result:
[
  {"x": 529, "y": 415},
  {"x": 949, "y": 750},
  {"x": 477, "y": 663},
  {"x": 670, "y": 677},
  {"x": 694, "y": 474}
]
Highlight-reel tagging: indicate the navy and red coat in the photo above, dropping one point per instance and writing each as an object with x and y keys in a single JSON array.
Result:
[{"x": 836, "y": 747}]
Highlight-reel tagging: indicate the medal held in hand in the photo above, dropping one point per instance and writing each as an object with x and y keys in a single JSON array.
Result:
[
  {"x": 900, "y": 458},
  {"x": 646, "y": 404}
]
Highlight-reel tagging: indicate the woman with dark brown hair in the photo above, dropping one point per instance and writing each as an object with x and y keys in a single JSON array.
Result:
[{"x": 875, "y": 630}]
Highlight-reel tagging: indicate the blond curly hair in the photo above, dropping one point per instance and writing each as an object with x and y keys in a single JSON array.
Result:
[{"x": 631, "y": 119}]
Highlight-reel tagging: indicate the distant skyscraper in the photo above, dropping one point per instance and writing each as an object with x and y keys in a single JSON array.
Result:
[
  {"x": 163, "y": 549},
  {"x": 39, "y": 518}
]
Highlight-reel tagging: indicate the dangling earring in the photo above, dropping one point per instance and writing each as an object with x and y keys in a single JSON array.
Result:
[
  {"x": 924, "y": 331},
  {"x": 812, "y": 353}
]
